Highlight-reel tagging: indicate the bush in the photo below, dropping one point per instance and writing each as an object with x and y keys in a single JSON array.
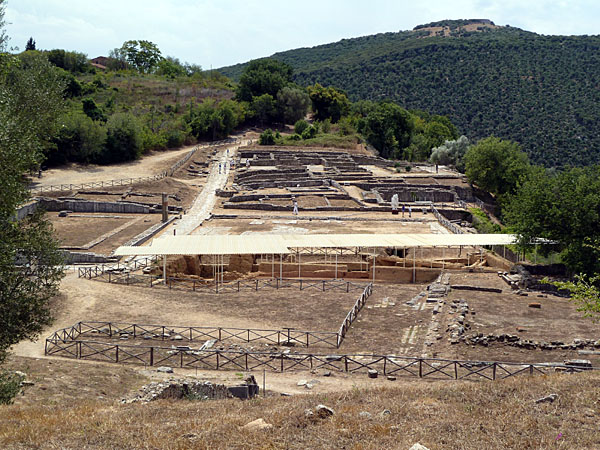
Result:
[
  {"x": 408, "y": 168},
  {"x": 300, "y": 126},
  {"x": 309, "y": 133},
  {"x": 92, "y": 111},
  {"x": 10, "y": 386},
  {"x": 79, "y": 139},
  {"x": 267, "y": 137},
  {"x": 123, "y": 138},
  {"x": 482, "y": 223},
  {"x": 295, "y": 137}
]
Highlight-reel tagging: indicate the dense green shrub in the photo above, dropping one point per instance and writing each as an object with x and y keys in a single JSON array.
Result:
[
  {"x": 123, "y": 138},
  {"x": 267, "y": 137},
  {"x": 300, "y": 126},
  {"x": 10, "y": 386}
]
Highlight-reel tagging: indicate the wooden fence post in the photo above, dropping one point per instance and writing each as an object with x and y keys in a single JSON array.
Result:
[
  {"x": 151, "y": 356},
  {"x": 420, "y": 368}
]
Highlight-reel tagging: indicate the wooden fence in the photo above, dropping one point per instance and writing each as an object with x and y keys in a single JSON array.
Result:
[
  {"x": 178, "y": 334},
  {"x": 284, "y": 362},
  {"x": 353, "y": 313},
  {"x": 90, "y": 272},
  {"x": 119, "y": 274}
]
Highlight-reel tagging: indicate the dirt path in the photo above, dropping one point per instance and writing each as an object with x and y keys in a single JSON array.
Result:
[
  {"x": 77, "y": 173},
  {"x": 204, "y": 203}
]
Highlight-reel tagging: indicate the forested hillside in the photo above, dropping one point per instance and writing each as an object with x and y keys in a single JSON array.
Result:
[{"x": 541, "y": 91}]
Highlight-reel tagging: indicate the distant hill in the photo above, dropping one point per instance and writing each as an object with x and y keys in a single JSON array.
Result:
[{"x": 541, "y": 91}]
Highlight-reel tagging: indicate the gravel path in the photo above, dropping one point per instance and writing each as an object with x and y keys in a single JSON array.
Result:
[{"x": 205, "y": 201}]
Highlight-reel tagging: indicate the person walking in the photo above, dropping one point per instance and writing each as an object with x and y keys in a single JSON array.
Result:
[
  {"x": 295, "y": 203},
  {"x": 409, "y": 211},
  {"x": 403, "y": 209},
  {"x": 219, "y": 167}
]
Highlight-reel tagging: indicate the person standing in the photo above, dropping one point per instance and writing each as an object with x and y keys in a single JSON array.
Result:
[
  {"x": 409, "y": 211},
  {"x": 403, "y": 210},
  {"x": 295, "y": 203}
]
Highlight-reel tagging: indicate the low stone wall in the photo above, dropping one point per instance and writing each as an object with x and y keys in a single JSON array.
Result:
[
  {"x": 405, "y": 275},
  {"x": 86, "y": 258},
  {"x": 90, "y": 206},
  {"x": 26, "y": 209},
  {"x": 50, "y": 204}
]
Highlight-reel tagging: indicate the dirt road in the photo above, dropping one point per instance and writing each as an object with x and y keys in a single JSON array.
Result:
[{"x": 149, "y": 165}]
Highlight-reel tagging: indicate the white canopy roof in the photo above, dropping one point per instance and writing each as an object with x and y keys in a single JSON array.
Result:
[{"x": 278, "y": 244}]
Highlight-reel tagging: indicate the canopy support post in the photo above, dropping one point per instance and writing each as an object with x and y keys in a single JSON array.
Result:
[
  {"x": 165, "y": 269},
  {"x": 414, "y": 277},
  {"x": 443, "y": 258},
  {"x": 374, "y": 263},
  {"x": 336, "y": 265}
]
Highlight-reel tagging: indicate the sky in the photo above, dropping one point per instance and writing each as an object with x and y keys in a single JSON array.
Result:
[{"x": 217, "y": 33}]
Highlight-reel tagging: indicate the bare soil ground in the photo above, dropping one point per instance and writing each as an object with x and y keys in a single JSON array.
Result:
[
  {"x": 556, "y": 320},
  {"x": 150, "y": 164},
  {"x": 384, "y": 324},
  {"x": 80, "y": 229},
  {"x": 184, "y": 191},
  {"x": 290, "y": 223}
]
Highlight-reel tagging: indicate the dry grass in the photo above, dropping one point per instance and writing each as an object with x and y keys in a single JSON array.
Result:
[{"x": 439, "y": 415}]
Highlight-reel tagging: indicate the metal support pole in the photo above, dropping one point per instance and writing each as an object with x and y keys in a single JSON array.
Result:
[
  {"x": 272, "y": 266},
  {"x": 374, "y": 263},
  {"x": 414, "y": 265},
  {"x": 336, "y": 265},
  {"x": 298, "y": 263},
  {"x": 165, "y": 269},
  {"x": 280, "y": 267}
]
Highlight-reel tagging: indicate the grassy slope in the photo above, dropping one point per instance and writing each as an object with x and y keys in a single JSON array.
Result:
[
  {"x": 541, "y": 91},
  {"x": 144, "y": 95},
  {"x": 461, "y": 415}
]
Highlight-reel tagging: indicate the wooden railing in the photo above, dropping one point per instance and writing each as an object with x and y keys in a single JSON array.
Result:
[
  {"x": 353, "y": 313},
  {"x": 119, "y": 274},
  {"x": 281, "y": 362},
  {"x": 109, "y": 330},
  {"x": 102, "y": 270}
]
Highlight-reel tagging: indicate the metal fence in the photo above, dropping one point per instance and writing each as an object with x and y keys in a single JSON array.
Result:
[{"x": 284, "y": 362}]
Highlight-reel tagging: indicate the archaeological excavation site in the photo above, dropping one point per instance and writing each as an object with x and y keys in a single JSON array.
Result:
[{"x": 247, "y": 258}]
